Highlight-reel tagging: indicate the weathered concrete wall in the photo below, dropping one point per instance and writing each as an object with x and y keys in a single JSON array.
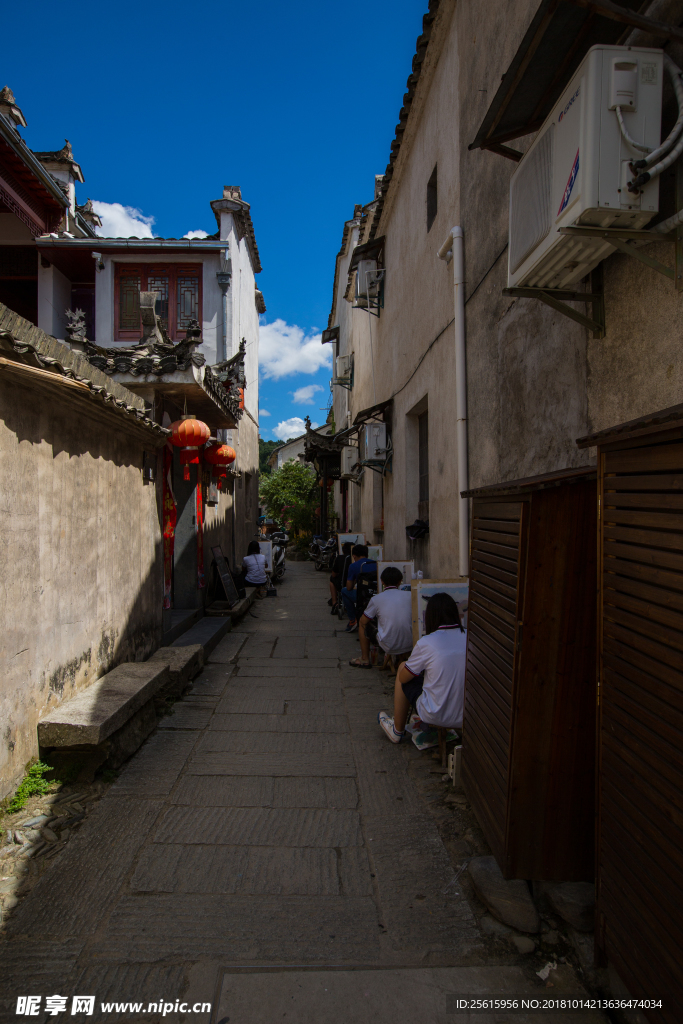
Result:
[
  {"x": 81, "y": 573},
  {"x": 536, "y": 380},
  {"x": 418, "y": 308}
]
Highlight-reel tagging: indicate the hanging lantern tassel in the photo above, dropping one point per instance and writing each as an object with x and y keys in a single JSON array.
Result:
[
  {"x": 189, "y": 434},
  {"x": 219, "y": 457}
]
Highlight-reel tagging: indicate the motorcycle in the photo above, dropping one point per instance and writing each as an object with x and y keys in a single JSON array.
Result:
[
  {"x": 280, "y": 541},
  {"x": 323, "y": 552}
]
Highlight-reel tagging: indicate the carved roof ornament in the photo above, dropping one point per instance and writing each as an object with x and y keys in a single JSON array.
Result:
[
  {"x": 88, "y": 214},
  {"x": 75, "y": 330},
  {"x": 9, "y": 108},
  {"x": 231, "y": 373},
  {"x": 156, "y": 355},
  {"x": 62, "y": 156},
  {"x": 232, "y": 202}
]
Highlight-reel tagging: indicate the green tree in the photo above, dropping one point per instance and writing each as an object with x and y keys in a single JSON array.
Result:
[
  {"x": 265, "y": 450},
  {"x": 291, "y": 496}
]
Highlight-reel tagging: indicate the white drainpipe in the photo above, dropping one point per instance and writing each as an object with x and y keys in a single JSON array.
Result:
[{"x": 452, "y": 248}]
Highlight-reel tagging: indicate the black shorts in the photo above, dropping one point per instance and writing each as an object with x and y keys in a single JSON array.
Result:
[
  {"x": 413, "y": 688},
  {"x": 336, "y": 581}
]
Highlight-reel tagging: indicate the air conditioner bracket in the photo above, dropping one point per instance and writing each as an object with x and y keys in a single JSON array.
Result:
[
  {"x": 344, "y": 382},
  {"x": 553, "y": 297},
  {"x": 626, "y": 242}
]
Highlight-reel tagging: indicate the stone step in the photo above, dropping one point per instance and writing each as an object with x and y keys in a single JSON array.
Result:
[
  {"x": 94, "y": 714},
  {"x": 208, "y": 633},
  {"x": 184, "y": 663}
]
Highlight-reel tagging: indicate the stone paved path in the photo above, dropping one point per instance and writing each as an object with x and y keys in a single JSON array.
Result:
[{"x": 267, "y": 850}]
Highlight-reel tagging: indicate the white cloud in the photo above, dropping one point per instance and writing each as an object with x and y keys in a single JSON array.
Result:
[
  {"x": 292, "y": 427},
  {"x": 284, "y": 349},
  {"x": 197, "y": 234},
  {"x": 263, "y": 412},
  {"x": 122, "y": 221},
  {"x": 304, "y": 395}
]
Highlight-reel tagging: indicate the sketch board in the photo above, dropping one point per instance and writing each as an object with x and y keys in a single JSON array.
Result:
[
  {"x": 266, "y": 547},
  {"x": 376, "y": 552},
  {"x": 350, "y": 538},
  {"x": 225, "y": 575},
  {"x": 407, "y": 568},
  {"x": 421, "y": 590}
]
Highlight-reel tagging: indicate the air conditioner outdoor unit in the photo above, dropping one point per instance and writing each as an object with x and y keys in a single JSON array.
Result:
[
  {"x": 368, "y": 279},
  {"x": 577, "y": 169},
  {"x": 349, "y": 458},
  {"x": 343, "y": 366},
  {"x": 374, "y": 441}
]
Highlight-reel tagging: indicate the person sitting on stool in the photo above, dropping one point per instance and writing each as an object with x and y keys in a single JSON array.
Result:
[
  {"x": 339, "y": 570},
  {"x": 360, "y": 563},
  {"x": 254, "y": 569},
  {"x": 392, "y": 609},
  {"x": 433, "y": 677}
]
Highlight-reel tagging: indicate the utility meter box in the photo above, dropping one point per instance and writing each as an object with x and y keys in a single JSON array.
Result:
[
  {"x": 375, "y": 441},
  {"x": 577, "y": 169},
  {"x": 349, "y": 458}
]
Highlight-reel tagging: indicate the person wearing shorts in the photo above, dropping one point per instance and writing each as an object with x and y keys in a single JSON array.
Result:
[{"x": 433, "y": 677}]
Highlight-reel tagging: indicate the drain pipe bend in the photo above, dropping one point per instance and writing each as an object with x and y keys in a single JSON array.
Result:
[{"x": 453, "y": 249}]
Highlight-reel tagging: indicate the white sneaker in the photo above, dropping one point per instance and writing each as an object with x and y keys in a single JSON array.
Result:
[{"x": 387, "y": 723}]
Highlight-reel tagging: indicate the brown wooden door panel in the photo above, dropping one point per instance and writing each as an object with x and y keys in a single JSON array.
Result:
[
  {"x": 492, "y": 635},
  {"x": 640, "y": 736},
  {"x": 641, "y": 460}
]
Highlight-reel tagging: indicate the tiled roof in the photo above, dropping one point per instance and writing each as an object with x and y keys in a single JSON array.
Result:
[
  {"x": 413, "y": 78},
  {"x": 232, "y": 201},
  {"x": 31, "y": 348}
]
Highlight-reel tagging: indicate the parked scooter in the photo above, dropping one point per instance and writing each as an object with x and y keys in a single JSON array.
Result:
[
  {"x": 280, "y": 541},
  {"x": 323, "y": 552}
]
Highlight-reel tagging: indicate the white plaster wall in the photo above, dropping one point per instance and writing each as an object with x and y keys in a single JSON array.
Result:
[
  {"x": 211, "y": 296},
  {"x": 54, "y": 298}
]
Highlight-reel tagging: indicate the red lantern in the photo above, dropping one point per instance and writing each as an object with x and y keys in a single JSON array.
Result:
[
  {"x": 219, "y": 457},
  {"x": 189, "y": 435}
]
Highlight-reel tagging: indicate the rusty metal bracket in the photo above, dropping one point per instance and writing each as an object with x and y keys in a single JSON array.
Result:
[{"x": 557, "y": 299}]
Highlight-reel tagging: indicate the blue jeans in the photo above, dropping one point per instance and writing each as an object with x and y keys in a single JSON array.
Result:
[{"x": 349, "y": 601}]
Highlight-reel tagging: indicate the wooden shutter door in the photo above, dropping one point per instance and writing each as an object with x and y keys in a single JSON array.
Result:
[
  {"x": 497, "y": 559},
  {"x": 640, "y": 824}
]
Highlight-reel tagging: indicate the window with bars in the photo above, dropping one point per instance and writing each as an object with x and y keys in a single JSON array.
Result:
[
  {"x": 179, "y": 298},
  {"x": 423, "y": 465}
]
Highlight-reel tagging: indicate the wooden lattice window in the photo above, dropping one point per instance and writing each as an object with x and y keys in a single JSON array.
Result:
[
  {"x": 179, "y": 297},
  {"x": 187, "y": 291},
  {"x": 129, "y": 302},
  {"x": 159, "y": 283}
]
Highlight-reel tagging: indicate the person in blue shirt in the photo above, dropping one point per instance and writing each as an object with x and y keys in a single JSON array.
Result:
[{"x": 360, "y": 564}]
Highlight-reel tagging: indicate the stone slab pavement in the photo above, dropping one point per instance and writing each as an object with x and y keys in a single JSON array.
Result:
[{"x": 266, "y": 851}]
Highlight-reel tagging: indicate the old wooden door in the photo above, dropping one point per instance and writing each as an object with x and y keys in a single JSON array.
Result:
[
  {"x": 499, "y": 532},
  {"x": 640, "y": 732}
]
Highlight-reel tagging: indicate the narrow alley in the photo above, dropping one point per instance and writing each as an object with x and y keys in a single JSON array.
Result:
[{"x": 269, "y": 852}]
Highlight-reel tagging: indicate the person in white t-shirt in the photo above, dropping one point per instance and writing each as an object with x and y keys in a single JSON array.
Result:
[
  {"x": 254, "y": 569},
  {"x": 433, "y": 677},
  {"x": 392, "y": 609}
]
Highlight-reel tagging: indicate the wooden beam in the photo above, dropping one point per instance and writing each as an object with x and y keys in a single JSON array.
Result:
[
  {"x": 508, "y": 151},
  {"x": 608, "y": 9}
]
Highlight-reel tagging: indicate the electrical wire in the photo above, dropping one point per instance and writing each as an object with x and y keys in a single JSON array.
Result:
[{"x": 450, "y": 322}]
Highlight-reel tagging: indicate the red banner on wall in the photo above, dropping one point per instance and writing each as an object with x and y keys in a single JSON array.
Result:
[
  {"x": 200, "y": 531},
  {"x": 169, "y": 519}
]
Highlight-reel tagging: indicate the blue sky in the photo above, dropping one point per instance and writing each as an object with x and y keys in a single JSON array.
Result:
[{"x": 164, "y": 105}]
